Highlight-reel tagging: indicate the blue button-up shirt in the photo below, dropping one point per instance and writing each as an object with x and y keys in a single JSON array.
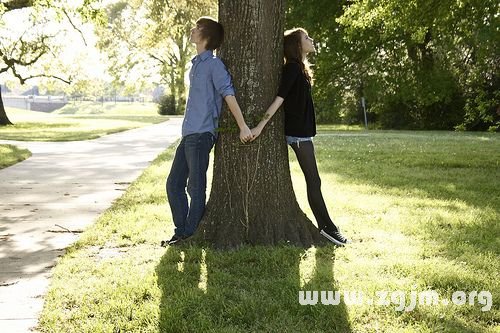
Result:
[{"x": 210, "y": 82}]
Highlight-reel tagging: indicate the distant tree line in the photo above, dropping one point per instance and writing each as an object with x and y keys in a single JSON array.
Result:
[{"x": 418, "y": 64}]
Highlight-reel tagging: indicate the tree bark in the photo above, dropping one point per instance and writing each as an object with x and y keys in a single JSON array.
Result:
[
  {"x": 4, "y": 120},
  {"x": 252, "y": 199}
]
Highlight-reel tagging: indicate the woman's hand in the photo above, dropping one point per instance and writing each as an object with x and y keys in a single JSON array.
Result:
[{"x": 256, "y": 132}]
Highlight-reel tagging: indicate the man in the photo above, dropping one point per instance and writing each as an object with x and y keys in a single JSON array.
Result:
[{"x": 210, "y": 83}]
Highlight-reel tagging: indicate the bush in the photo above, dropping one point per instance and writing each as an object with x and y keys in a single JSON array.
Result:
[
  {"x": 326, "y": 112},
  {"x": 482, "y": 109},
  {"x": 166, "y": 105}
]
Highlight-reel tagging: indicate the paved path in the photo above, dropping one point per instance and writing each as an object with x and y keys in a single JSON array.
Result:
[{"x": 48, "y": 199}]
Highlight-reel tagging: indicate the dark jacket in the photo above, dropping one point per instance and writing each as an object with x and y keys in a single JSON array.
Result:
[{"x": 295, "y": 89}]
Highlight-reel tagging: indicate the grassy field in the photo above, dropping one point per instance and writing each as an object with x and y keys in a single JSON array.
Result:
[
  {"x": 10, "y": 155},
  {"x": 78, "y": 121},
  {"x": 422, "y": 208}
]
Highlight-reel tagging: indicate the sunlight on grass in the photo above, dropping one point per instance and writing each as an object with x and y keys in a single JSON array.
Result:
[
  {"x": 338, "y": 127},
  {"x": 203, "y": 272},
  {"x": 107, "y": 108},
  {"x": 180, "y": 264},
  {"x": 82, "y": 121},
  {"x": 422, "y": 209},
  {"x": 307, "y": 265}
]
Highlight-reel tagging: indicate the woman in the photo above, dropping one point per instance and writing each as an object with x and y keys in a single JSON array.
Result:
[{"x": 300, "y": 123}]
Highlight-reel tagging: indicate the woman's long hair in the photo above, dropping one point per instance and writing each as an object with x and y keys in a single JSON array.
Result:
[{"x": 293, "y": 51}]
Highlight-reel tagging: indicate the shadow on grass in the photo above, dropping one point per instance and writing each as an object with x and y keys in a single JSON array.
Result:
[{"x": 253, "y": 289}]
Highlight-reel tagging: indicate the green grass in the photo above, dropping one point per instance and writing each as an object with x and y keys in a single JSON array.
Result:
[
  {"x": 78, "y": 121},
  {"x": 339, "y": 127},
  {"x": 422, "y": 209},
  {"x": 10, "y": 155}
]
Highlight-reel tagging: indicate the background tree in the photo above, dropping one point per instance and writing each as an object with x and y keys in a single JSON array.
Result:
[
  {"x": 424, "y": 57},
  {"x": 336, "y": 68},
  {"x": 23, "y": 52},
  {"x": 420, "y": 64},
  {"x": 252, "y": 199},
  {"x": 152, "y": 37}
]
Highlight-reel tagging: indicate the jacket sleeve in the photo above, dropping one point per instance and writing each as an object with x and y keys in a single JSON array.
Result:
[{"x": 290, "y": 74}]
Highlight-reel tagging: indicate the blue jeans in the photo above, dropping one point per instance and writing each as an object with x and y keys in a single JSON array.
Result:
[{"x": 189, "y": 169}]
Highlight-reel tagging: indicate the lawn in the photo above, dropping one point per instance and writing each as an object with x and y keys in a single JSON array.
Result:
[
  {"x": 422, "y": 209},
  {"x": 79, "y": 121},
  {"x": 10, "y": 155}
]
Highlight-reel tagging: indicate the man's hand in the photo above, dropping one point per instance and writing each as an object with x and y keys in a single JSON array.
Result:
[{"x": 245, "y": 134}]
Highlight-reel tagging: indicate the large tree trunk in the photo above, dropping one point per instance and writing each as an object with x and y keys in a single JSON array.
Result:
[
  {"x": 173, "y": 89},
  {"x": 252, "y": 199},
  {"x": 184, "y": 46},
  {"x": 4, "y": 120}
]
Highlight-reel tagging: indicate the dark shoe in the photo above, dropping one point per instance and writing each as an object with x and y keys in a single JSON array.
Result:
[
  {"x": 174, "y": 240},
  {"x": 182, "y": 240},
  {"x": 334, "y": 236}
]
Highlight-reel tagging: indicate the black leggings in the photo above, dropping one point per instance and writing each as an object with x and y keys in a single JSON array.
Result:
[{"x": 305, "y": 155}]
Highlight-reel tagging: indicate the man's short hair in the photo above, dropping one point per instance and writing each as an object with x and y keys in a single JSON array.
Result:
[{"x": 212, "y": 31}]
